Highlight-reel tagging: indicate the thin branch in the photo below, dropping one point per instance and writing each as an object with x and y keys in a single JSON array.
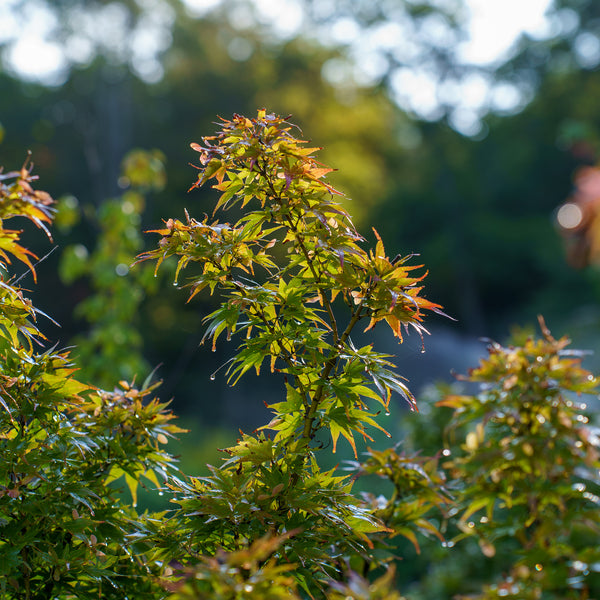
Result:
[
  {"x": 329, "y": 366},
  {"x": 31, "y": 270}
]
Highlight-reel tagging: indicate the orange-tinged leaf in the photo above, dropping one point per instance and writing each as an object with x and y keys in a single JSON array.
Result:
[
  {"x": 409, "y": 534},
  {"x": 320, "y": 172},
  {"x": 305, "y": 151},
  {"x": 334, "y": 431},
  {"x": 454, "y": 401}
]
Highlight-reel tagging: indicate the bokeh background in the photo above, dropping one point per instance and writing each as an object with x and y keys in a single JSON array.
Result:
[{"x": 456, "y": 127}]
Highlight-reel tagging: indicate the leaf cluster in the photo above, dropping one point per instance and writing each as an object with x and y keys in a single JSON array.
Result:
[
  {"x": 286, "y": 307},
  {"x": 527, "y": 461},
  {"x": 419, "y": 501},
  {"x": 19, "y": 199},
  {"x": 287, "y": 270},
  {"x": 111, "y": 349},
  {"x": 65, "y": 532}
]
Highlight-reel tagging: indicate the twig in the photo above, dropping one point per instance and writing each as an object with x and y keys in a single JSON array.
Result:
[{"x": 36, "y": 264}]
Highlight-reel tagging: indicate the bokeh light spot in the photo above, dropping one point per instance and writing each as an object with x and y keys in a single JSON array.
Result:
[{"x": 569, "y": 216}]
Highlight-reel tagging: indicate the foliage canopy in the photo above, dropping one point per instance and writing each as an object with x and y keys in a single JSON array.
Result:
[
  {"x": 280, "y": 268},
  {"x": 519, "y": 472}
]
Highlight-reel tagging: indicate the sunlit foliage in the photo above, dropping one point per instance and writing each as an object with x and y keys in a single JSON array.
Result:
[
  {"x": 64, "y": 531},
  {"x": 281, "y": 269},
  {"x": 517, "y": 475},
  {"x": 527, "y": 462}
]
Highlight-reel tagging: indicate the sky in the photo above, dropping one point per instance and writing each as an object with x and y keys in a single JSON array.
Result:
[
  {"x": 494, "y": 25},
  {"x": 493, "y": 28}
]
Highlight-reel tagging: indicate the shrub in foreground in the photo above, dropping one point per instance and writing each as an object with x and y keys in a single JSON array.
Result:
[{"x": 295, "y": 284}]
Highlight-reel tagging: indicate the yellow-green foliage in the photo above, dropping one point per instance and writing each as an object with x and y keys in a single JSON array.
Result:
[
  {"x": 527, "y": 462},
  {"x": 285, "y": 266},
  {"x": 64, "y": 533}
]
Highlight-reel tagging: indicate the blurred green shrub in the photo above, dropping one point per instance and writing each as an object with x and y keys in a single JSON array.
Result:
[
  {"x": 64, "y": 531},
  {"x": 111, "y": 349}
]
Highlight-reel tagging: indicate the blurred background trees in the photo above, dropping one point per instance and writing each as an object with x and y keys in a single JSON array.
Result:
[
  {"x": 471, "y": 155},
  {"x": 462, "y": 157}
]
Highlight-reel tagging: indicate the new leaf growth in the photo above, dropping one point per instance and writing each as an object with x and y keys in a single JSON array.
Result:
[
  {"x": 284, "y": 266},
  {"x": 281, "y": 266}
]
